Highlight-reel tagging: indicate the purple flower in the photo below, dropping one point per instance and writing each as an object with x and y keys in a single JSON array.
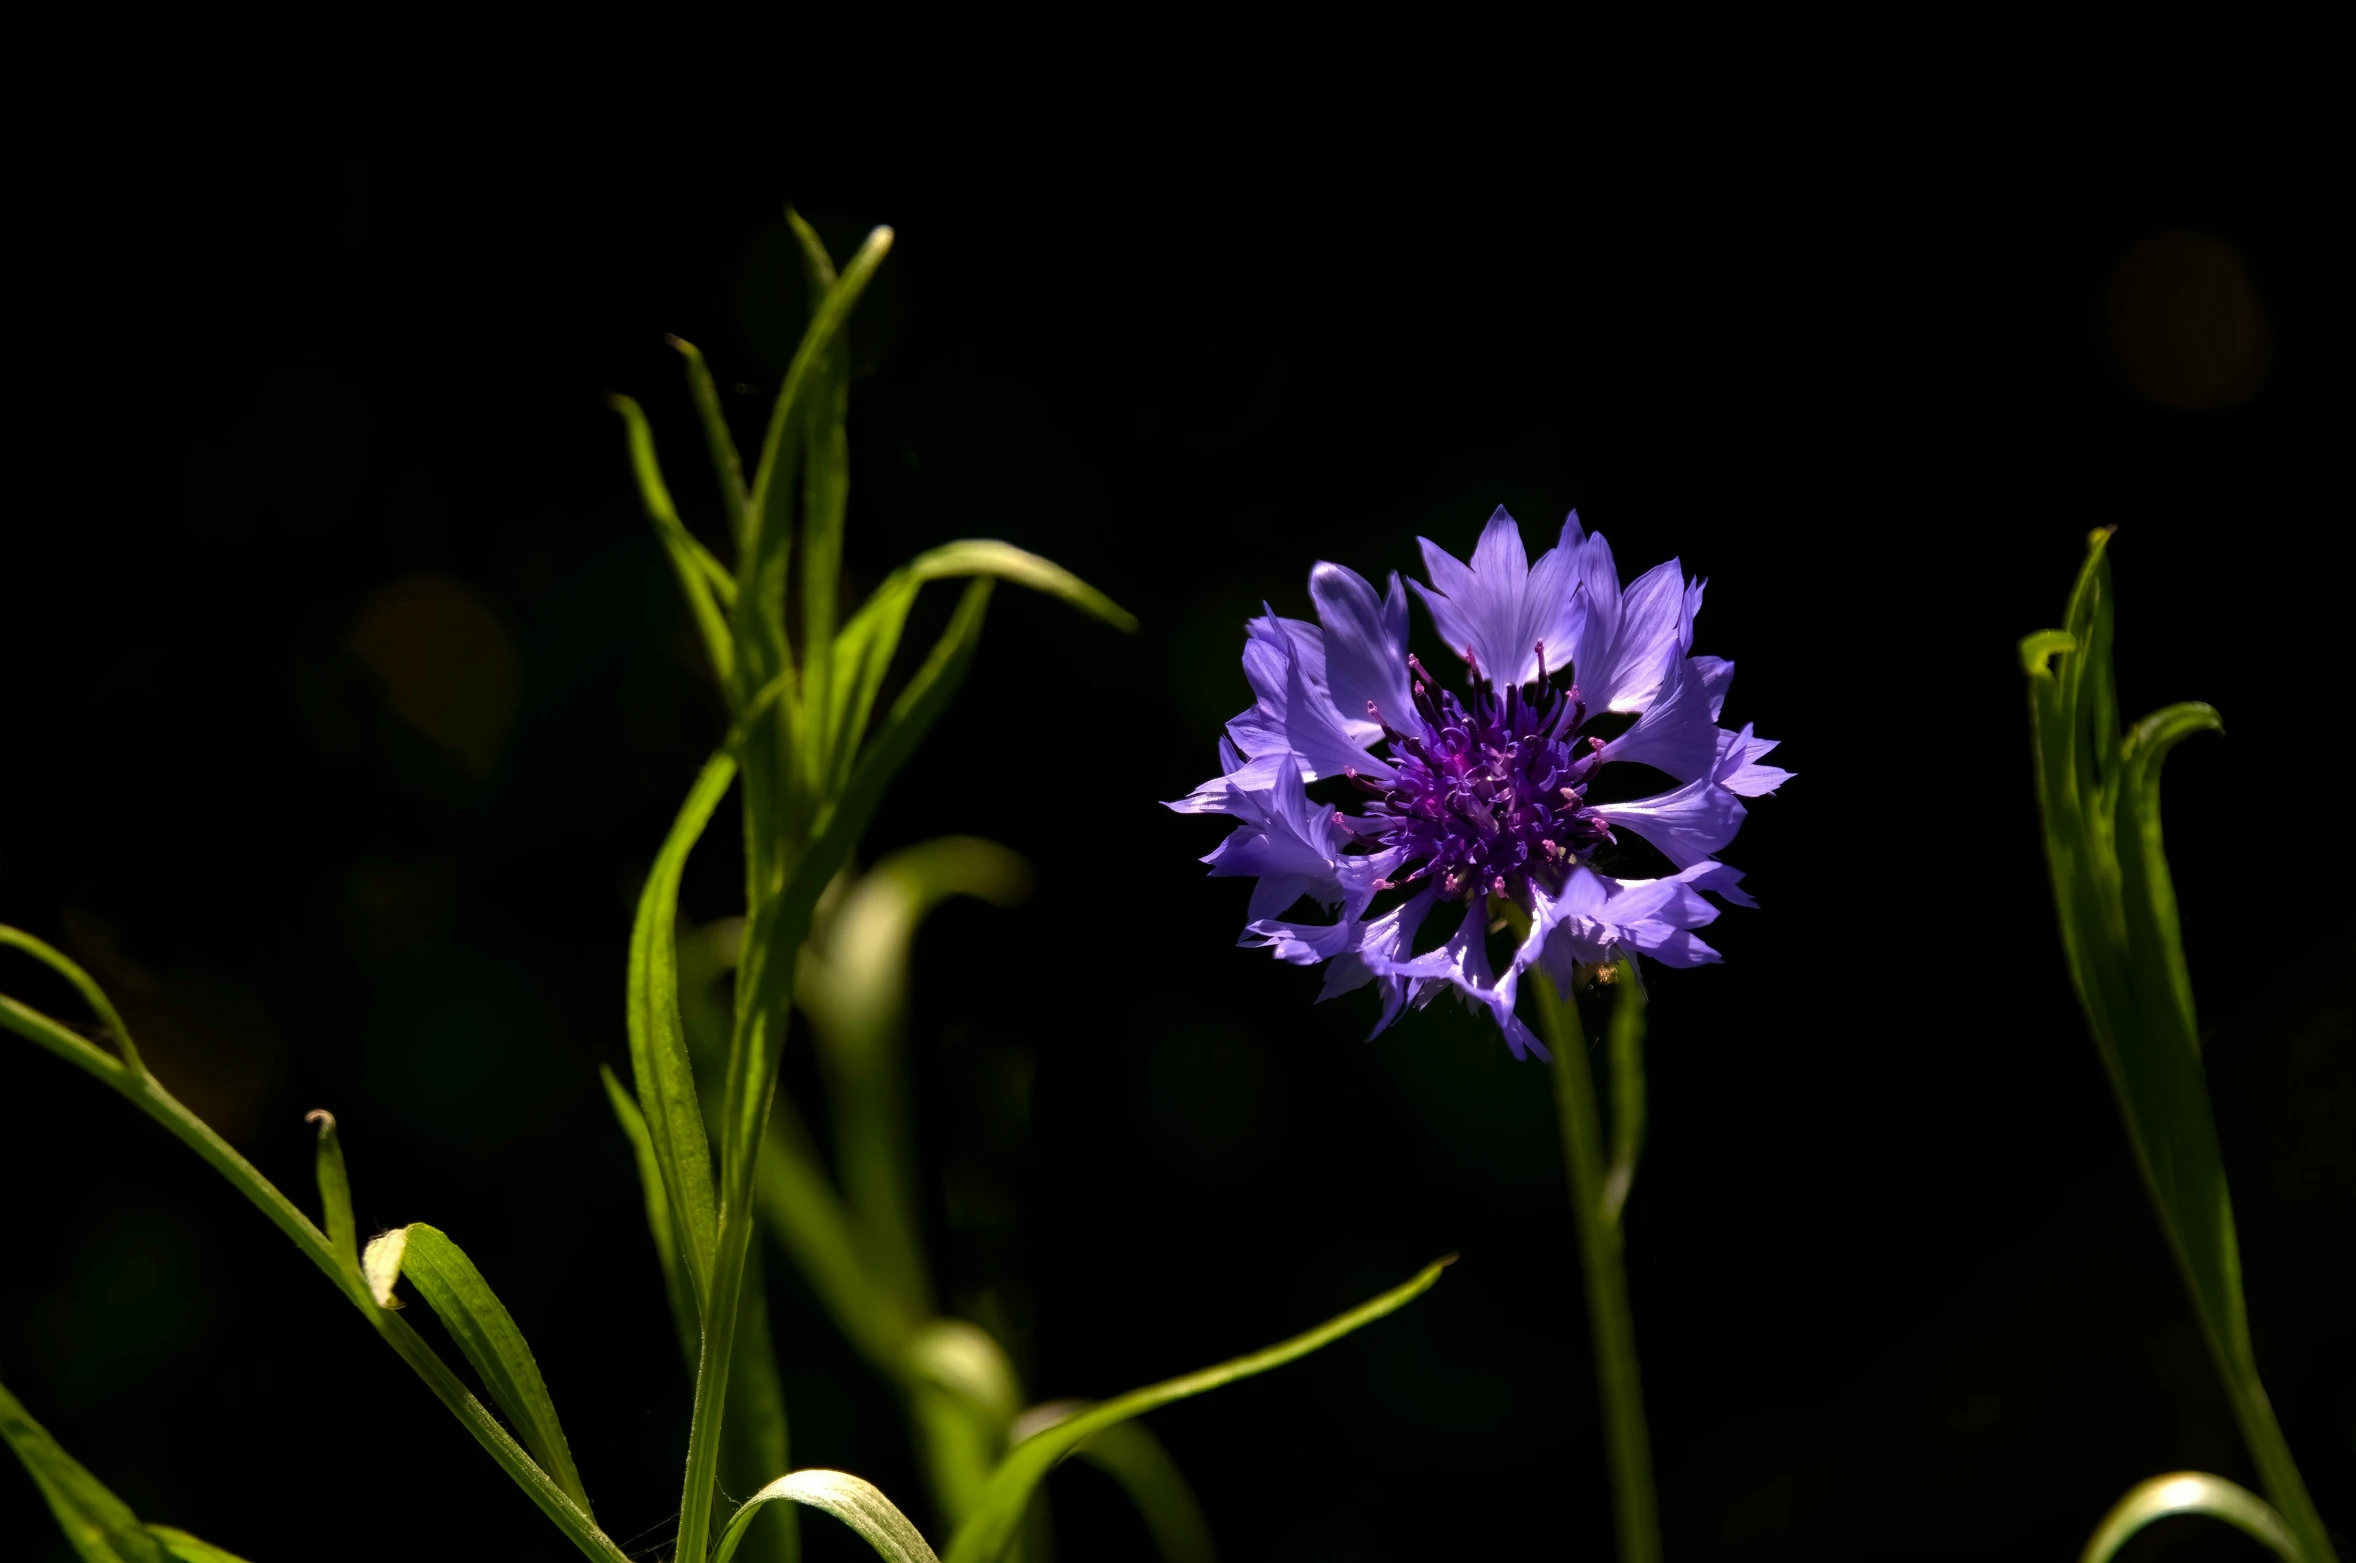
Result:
[{"x": 1477, "y": 803}]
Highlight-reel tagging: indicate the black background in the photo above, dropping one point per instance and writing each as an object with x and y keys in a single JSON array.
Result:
[{"x": 320, "y": 303}]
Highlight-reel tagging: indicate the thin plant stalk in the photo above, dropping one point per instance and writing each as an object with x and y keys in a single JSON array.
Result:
[{"x": 1611, "y": 1326}]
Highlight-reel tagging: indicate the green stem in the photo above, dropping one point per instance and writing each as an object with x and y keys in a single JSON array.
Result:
[{"x": 1611, "y": 1327}]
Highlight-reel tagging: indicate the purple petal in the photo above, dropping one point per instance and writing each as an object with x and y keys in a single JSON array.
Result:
[
  {"x": 1675, "y": 734},
  {"x": 1689, "y": 824},
  {"x": 1365, "y": 649}
]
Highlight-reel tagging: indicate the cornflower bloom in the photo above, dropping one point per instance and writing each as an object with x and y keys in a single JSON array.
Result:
[{"x": 1481, "y": 799}]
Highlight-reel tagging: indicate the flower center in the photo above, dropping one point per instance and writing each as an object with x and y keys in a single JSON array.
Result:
[{"x": 1491, "y": 792}]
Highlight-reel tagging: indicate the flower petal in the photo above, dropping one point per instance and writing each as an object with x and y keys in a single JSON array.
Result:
[
  {"x": 1688, "y": 825},
  {"x": 1365, "y": 650}
]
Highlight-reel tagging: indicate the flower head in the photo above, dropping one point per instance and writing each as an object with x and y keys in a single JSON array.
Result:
[{"x": 1477, "y": 800}]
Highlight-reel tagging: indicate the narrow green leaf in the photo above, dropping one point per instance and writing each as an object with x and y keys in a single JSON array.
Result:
[
  {"x": 487, "y": 1334},
  {"x": 983, "y": 1537},
  {"x": 964, "y": 1395},
  {"x": 100, "y": 1526},
  {"x": 864, "y": 651},
  {"x": 676, "y": 1284},
  {"x": 858, "y": 1504},
  {"x": 92, "y": 994},
  {"x": 726, "y": 466},
  {"x": 1131, "y": 1455},
  {"x": 1626, "y": 1042},
  {"x": 2190, "y": 1492},
  {"x": 188, "y": 1549},
  {"x": 143, "y": 1092},
  {"x": 767, "y": 524},
  {"x": 658, "y": 1044},
  {"x": 335, "y": 1190},
  {"x": 2098, "y": 794},
  {"x": 779, "y": 925},
  {"x": 855, "y": 991},
  {"x": 800, "y": 1206},
  {"x": 702, "y": 579}
]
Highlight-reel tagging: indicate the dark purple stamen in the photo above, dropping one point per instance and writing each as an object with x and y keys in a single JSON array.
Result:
[{"x": 1490, "y": 795}]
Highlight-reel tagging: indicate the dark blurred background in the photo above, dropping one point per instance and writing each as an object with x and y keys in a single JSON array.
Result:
[{"x": 348, "y": 696}]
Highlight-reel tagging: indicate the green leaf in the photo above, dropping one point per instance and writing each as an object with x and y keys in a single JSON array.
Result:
[
  {"x": 964, "y": 1396},
  {"x": 864, "y": 651},
  {"x": 1133, "y": 1457},
  {"x": 983, "y": 1537},
  {"x": 484, "y": 1330},
  {"x": 475, "y": 1317},
  {"x": 2098, "y": 794},
  {"x": 858, "y": 1504},
  {"x": 144, "y": 1093},
  {"x": 658, "y": 1043},
  {"x": 58, "y": 1038},
  {"x": 188, "y": 1549},
  {"x": 855, "y": 991},
  {"x": 2190, "y": 1492},
  {"x": 676, "y": 1284},
  {"x": 704, "y": 581},
  {"x": 335, "y": 1191},
  {"x": 726, "y": 466},
  {"x": 100, "y": 1525}
]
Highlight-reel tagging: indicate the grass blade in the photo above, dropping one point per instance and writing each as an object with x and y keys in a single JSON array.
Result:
[
  {"x": 726, "y": 466},
  {"x": 676, "y": 1284},
  {"x": 658, "y": 1043},
  {"x": 100, "y": 1525},
  {"x": 858, "y": 1504},
  {"x": 2190, "y": 1492},
  {"x": 1133, "y": 1457},
  {"x": 704, "y": 581},
  {"x": 188, "y": 1549},
  {"x": 487, "y": 1334},
  {"x": 335, "y": 1191},
  {"x": 984, "y": 1536}
]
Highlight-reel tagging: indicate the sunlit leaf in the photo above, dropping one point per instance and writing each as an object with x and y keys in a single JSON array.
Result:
[
  {"x": 658, "y": 1044},
  {"x": 1130, "y": 1454},
  {"x": 864, "y": 650},
  {"x": 100, "y": 1526},
  {"x": 2190, "y": 1492},
  {"x": 984, "y": 1535},
  {"x": 2098, "y": 793},
  {"x": 487, "y": 1334},
  {"x": 704, "y": 581},
  {"x": 676, "y": 1285},
  {"x": 188, "y": 1549},
  {"x": 858, "y": 1504},
  {"x": 726, "y": 467}
]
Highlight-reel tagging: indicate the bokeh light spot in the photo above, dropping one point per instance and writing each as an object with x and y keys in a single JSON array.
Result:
[
  {"x": 2181, "y": 324},
  {"x": 450, "y": 669}
]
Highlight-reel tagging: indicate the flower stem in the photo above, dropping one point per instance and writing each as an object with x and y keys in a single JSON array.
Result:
[{"x": 1635, "y": 1514}]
